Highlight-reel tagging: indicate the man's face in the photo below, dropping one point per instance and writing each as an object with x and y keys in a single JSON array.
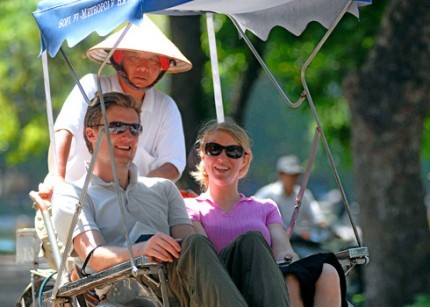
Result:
[
  {"x": 289, "y": 180},
  {"x": 142, "y": 68},
  {"x": 124, "y": 143}
]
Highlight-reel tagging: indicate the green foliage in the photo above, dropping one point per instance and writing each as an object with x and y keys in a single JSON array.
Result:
[
  {"x": 285, "y": 55},
  {"x": 24, "y": 132},
  {"x": 358, "y": 300},
  {"x": 231, "y": 58},
  {"x": 35, "y": 133},
  {"x": 16, "y": 35},
  {"x": 426, "y": 139},
  {"x": 283, "y": 129},
  {"x": 9, "y": 126},
  {"x": 23, "y": 98},
  {"x": 421, "y": 300}
]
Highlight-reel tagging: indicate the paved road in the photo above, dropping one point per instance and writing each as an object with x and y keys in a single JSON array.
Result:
[{"x": 13, "y": 279}]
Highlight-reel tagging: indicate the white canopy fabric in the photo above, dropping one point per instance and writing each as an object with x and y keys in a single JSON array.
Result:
[{"x": 260, "y": 16}]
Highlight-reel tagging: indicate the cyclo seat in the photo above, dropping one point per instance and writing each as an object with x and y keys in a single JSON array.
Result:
[{"x": 143, "y": 286}]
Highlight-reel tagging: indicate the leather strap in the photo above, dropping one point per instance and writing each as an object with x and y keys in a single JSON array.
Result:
[{"x": 87, "y": 259}]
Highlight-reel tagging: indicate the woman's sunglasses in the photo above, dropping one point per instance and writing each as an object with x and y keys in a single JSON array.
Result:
[
  {"x": 120, "y": 127},
  {"x": 232, "y": 151}
]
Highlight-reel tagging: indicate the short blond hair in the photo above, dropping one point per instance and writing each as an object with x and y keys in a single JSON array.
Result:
[{"x": 94, "y": 111}]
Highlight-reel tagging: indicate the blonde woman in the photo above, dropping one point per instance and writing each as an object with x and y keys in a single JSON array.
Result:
[{"x": 225, "y": 215}]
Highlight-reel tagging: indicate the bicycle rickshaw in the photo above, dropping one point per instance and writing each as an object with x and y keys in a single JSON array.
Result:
[{"x": 75, "y": 20}]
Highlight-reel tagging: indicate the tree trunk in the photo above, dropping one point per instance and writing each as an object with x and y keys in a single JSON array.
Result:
[
  {"x": 186, "y": 87},
  {"x": 247, "y": 82},
  {"x": 389, "y": 100}
]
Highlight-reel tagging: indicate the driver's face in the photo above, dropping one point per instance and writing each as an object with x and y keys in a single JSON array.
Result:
[{"x": 142, "y": 68}]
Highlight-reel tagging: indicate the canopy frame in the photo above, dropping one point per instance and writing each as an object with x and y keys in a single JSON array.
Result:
[{"x": 305, "y": 95}]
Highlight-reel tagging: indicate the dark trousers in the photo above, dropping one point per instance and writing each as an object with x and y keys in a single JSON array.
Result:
[
  {"x": 198, "y": 278},
  {"x": 251, "y": 265}
]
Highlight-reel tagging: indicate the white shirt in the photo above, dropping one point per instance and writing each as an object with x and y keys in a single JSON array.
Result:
[
  {"x": 310, "y": 213},
  {"x": 162, "y": 139}
]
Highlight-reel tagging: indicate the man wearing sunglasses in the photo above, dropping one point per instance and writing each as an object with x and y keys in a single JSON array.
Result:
[
  {"x": 140, "y": 60},
  {"x": 154, "y": 211}
]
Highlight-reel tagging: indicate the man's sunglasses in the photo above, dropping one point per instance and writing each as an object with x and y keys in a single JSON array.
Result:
[
  {"x": 232, "y": 151},
  {"x": 120, "y": 127}
]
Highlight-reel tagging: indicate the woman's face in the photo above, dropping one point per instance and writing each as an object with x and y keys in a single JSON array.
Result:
[{"x": 221, "y": 169}]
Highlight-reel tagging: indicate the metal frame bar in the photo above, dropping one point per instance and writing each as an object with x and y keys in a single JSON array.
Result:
[
  {"x": 307, "y": 95},
  {"x": 215, "y": 68},
  {"x": 68, "y": 245}
]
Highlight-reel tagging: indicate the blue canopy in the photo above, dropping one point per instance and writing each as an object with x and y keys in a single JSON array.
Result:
[{"x": 74, "y": 20}]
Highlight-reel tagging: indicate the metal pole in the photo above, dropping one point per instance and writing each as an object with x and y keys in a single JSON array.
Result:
[{"x": 215, "y": 68}]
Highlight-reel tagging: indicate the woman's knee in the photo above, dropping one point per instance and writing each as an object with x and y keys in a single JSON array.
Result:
[
  {"x": 330, "y": 273},
  {"x": 198, "y": 247},
  {"x": 251, "y": 237},
  {"x": 249, "y": 247},
  {"x": 329, "y": 279},
  {"x": 327, "y": 288}
]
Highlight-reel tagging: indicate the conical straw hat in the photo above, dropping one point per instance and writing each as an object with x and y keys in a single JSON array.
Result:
[{"x": 145, "y": 37}]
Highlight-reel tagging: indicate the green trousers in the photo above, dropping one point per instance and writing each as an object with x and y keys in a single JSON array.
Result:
[
  {"x": 251, "y": 265},
  {"x": 198, "y": 278}
]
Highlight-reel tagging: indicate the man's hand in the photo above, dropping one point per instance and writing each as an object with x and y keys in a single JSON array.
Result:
[
  {"x": 46, "y": 188},
  {"x": 161, "y": 248},
  {"x": 45, "y": 191},
  {"x": 167, "y": 170}
]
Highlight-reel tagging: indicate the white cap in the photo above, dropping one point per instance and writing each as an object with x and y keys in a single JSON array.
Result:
[{"x": 289, "y": 165}]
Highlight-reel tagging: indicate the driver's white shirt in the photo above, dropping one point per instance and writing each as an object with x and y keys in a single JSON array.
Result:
[{"x": 162, "y": 139}]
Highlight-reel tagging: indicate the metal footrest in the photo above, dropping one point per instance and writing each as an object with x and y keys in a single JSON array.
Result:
[{"x": 353, "y": 256}]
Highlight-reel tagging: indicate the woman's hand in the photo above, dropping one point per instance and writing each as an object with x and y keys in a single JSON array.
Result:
[
  {"x": 281, "y": 246},
  {"x": 291, "y": 257}
]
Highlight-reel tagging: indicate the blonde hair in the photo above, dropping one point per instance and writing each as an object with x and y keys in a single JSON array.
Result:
[{"x": 237, "y": 132}]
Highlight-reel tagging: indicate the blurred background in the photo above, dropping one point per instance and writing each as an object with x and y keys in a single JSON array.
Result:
[{"x": 371, "y": 87}]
